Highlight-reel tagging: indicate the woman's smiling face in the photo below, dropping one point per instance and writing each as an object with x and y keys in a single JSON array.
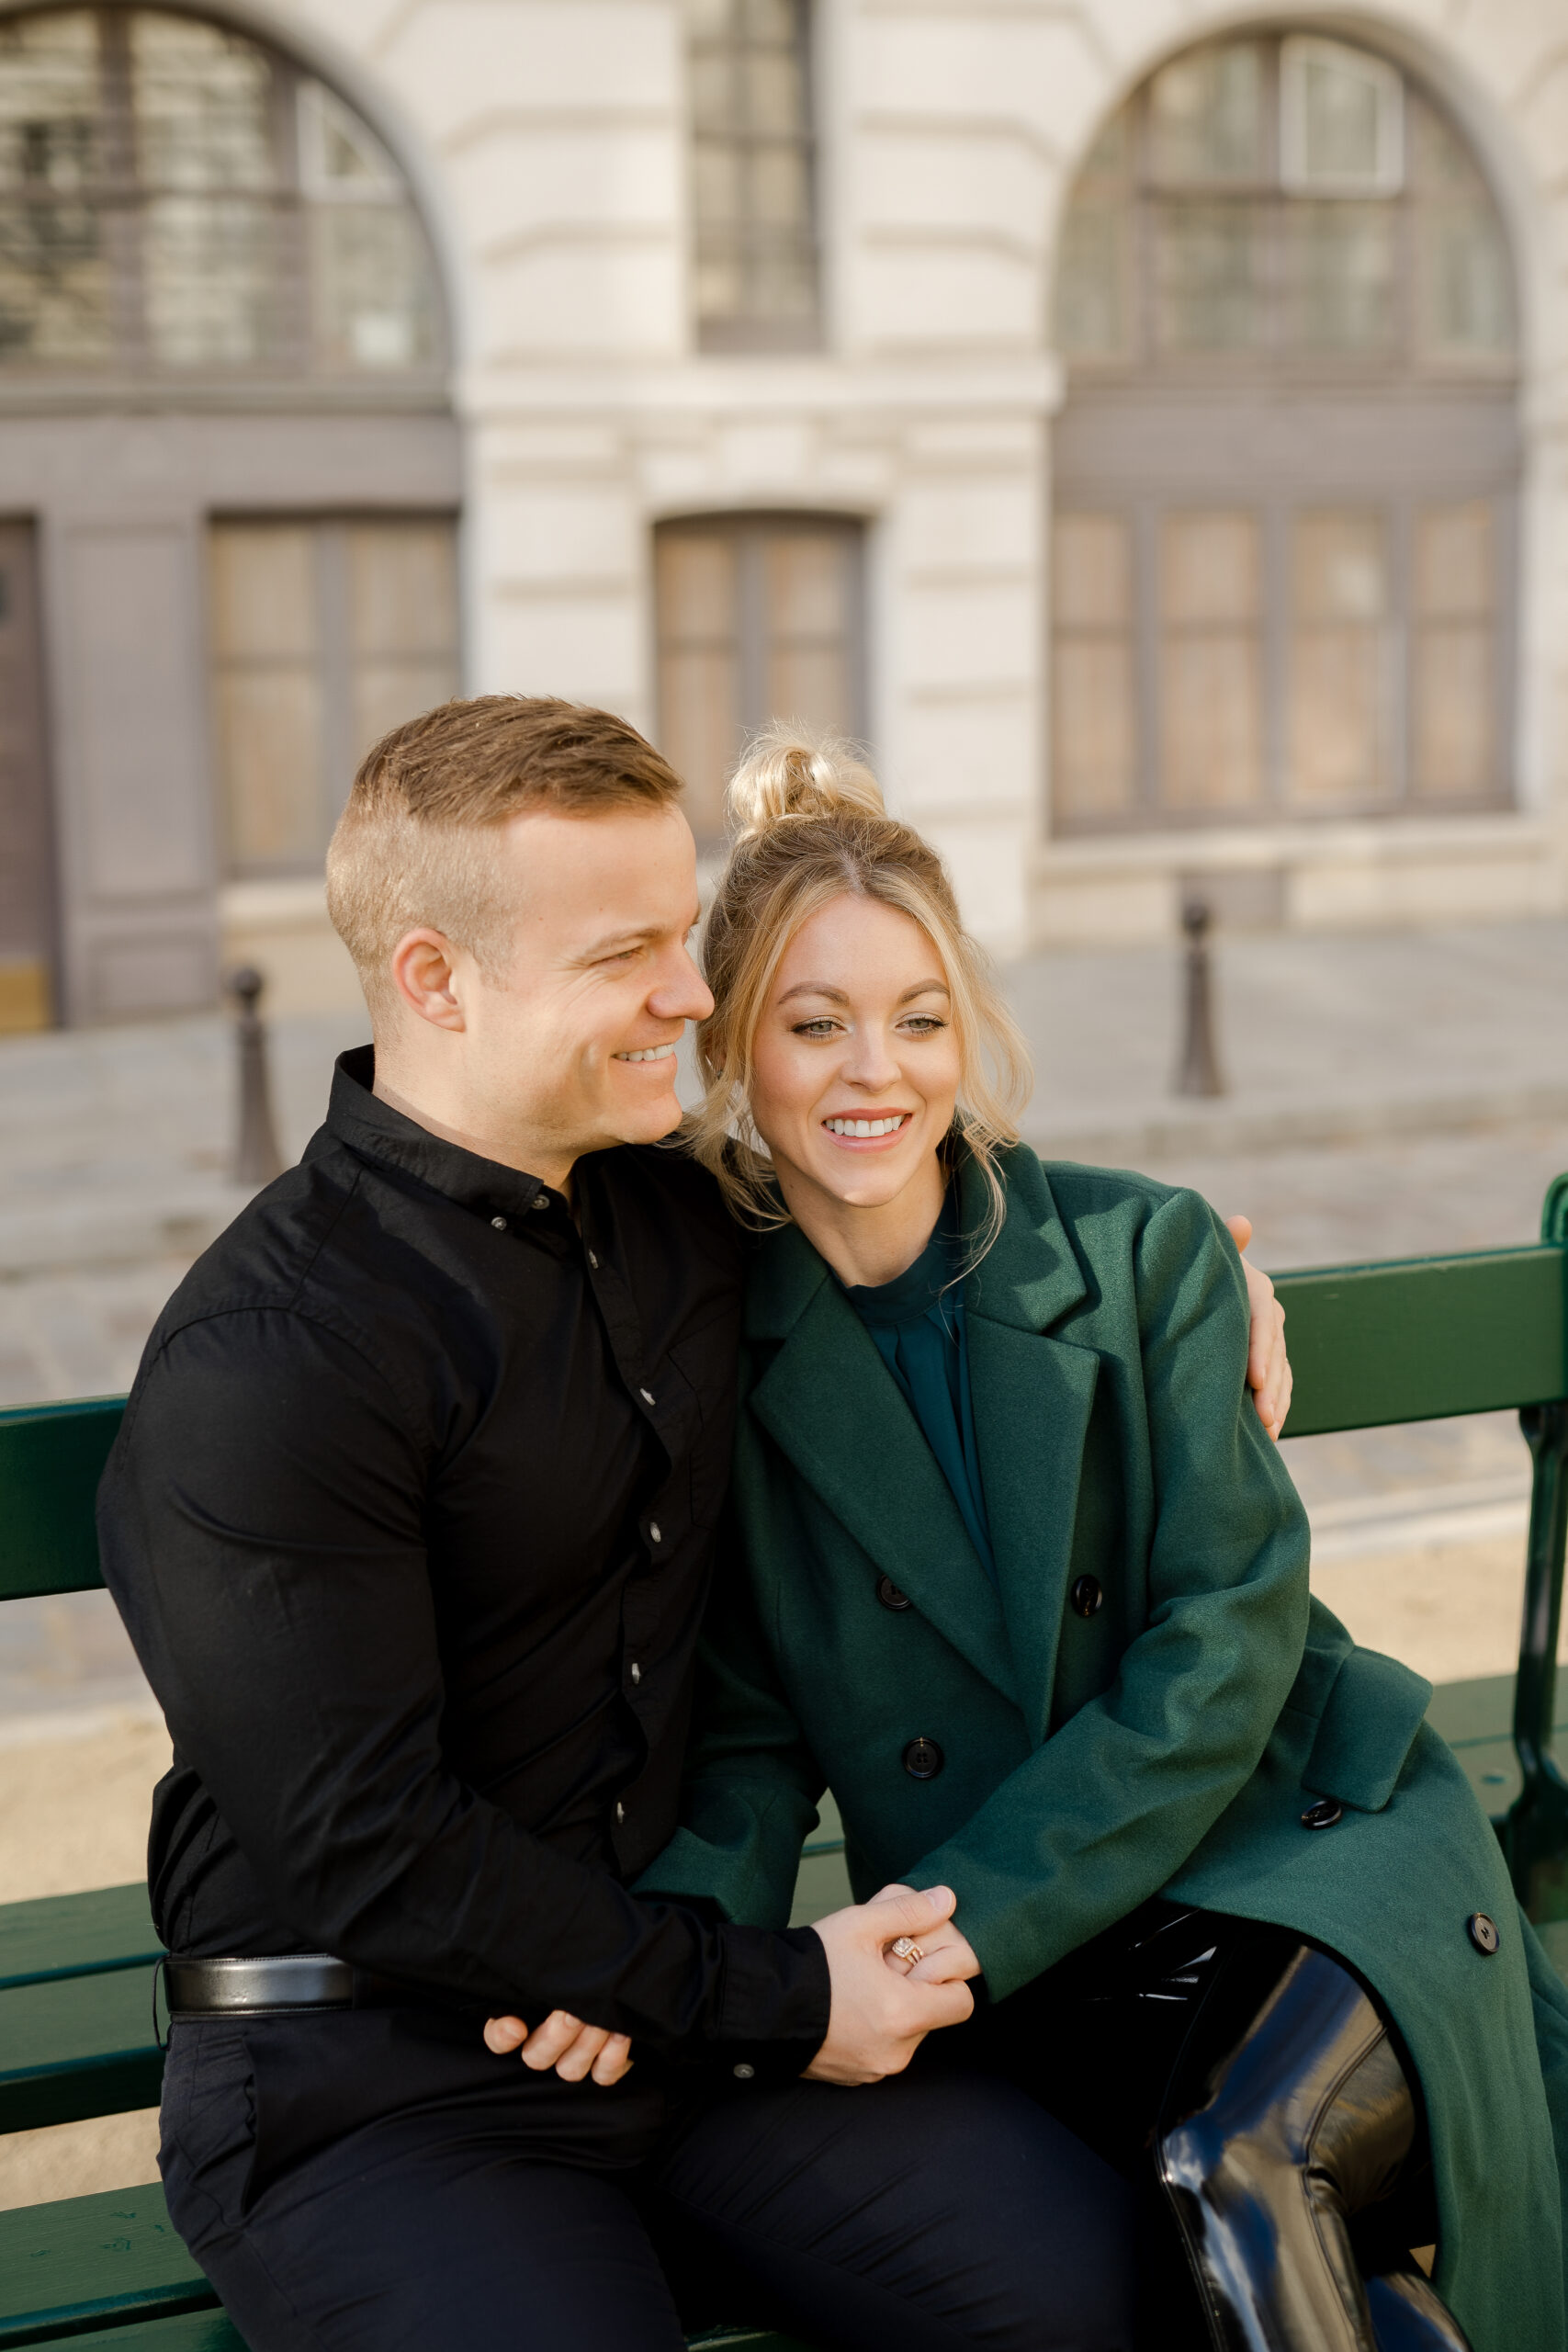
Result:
[{"x": 855, "y": 1063}]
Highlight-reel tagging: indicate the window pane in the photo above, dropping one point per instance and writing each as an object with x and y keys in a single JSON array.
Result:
[
  {"x": 806, "y": 590},
  {"x": 55, "y": 280},
  {"x": 1208, "y": 260},
  {"x": 1210, "y": 662},
  {"x": 1206, "y": 116},
  {"x": 1094, "y": 278},
  {"x": 1210, "y": 568},
  {"x": 211, "y": 281},
  {"x": 1093, "y": 729},
  {"x": 1454, "y": 720},
  {"x": 402, "y": 624},
  {"x": 1455, "y": 561},
  {"x": 339, "y": 155},
  {"x": 1337, "y": 726},
  {"x": 262, "y": 578},
  {"x": 1341, "y": 120},
  {"x": 268, "y": 716},
  {"x": 697, "y": 586},
  {"x": 1454, "y": 733},
  {"x": 1343, "y": 267},
  {"x": 1091, "y": 583},
  {"x": 755, "y": 262},
  {"x": 1465, "y": 280},
  {"x": 403, "y": 591},
  {"x": 48, "y": 103},
  {"x": 269, "y": 757},
  {"x": 201, "y": 101},
  {"x": 1094, "y": 743},
  {"x": 55, "y": 284},
  {"x": 373, "y": 294}
]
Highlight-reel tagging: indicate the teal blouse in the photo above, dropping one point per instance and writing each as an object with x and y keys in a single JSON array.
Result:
[{"x": 917, "y": 1322}]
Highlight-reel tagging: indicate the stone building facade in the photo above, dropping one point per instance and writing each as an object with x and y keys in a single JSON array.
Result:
[{"x": 1143, "y": 422}]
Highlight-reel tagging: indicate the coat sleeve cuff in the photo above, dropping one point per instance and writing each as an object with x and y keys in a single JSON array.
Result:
[{"x": 773, "y": 2005}]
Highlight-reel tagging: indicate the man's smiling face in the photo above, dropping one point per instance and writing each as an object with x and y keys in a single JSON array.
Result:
[{"x": 573, "y": 1035}]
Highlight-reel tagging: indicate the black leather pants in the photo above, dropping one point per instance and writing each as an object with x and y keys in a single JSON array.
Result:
[{"x": 1287, "y": 2145}]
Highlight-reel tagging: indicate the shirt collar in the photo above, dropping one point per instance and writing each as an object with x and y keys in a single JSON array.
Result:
[{"x": 374, "y": 1130}]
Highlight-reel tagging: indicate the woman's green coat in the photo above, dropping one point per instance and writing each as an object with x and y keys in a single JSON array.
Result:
[{"x": 1171, "y": 1741}]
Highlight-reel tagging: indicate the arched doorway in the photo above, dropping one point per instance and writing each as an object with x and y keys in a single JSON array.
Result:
[
  {"x": 229, "y": 477},
  {"x": 1285, "y": 476}
]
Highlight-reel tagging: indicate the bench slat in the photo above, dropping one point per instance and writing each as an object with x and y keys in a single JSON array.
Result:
[
  {"x": 208, "y": 2331},
  {"x": 76, "y": 1935},
  {"x": 1415, "y": 1341},
  {"x": 72, "y": 2267},
  {"x": 52, "y": 1457},
  {"x": 76, "y": 2046}
]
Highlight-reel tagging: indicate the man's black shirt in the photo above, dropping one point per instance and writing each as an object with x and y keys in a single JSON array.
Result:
[{"x": 411, "y": 1521}]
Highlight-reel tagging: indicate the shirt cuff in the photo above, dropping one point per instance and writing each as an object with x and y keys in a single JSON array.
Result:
[{"x": 774, "y": 2004}]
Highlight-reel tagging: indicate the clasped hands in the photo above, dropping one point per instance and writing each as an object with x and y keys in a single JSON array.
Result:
[{"x": 884, "y": 2004}]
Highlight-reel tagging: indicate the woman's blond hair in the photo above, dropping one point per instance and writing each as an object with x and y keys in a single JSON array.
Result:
[{"x": 809, "y": 826}]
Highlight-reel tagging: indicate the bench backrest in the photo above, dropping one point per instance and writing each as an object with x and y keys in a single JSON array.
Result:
[{"x": 1402, "y": 1341}]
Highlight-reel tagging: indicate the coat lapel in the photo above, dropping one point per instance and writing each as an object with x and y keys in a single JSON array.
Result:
[
  {"x": 1032, "y": 1396},
  {"x": 830, "y": 1402}
]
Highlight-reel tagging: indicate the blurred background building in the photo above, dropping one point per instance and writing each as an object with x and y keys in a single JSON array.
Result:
[{"x": 1145, "y": 430}]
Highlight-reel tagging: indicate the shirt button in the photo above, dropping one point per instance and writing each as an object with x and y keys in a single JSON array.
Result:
[
  {"x": 637, "y": 1671},
  {"x": 655, "y": 1533},
  {"x": 541, "y": 1200},
  {"x": 743, "y": 2072},
  {"x": 889, "y": 1595},
  {"x": 620, "y": 1810},
  {"x": 593, "y": 1262},
  {"x": 1323, "y": 1815},
  {"x": 646, "y": 1395},
  {"x": 1087, "y": 1596},
  {"x": 923, "y": 1760},
  {"x": 498, "y": 1223}
]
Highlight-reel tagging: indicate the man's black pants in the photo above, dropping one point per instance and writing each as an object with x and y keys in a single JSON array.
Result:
[{"x": 375, "y": 2181}]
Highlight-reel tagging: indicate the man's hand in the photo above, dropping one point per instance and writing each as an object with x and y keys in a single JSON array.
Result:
[
  {"x": 1268, "y": 1365},
  {"x": 574, "y": 2050},
  {"x": 881, "y": 2014}
]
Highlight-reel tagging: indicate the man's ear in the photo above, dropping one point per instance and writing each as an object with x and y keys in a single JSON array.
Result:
[{"x": 423, "y": 972}]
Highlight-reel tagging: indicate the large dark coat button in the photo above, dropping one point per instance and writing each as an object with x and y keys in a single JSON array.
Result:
[
  {"x": 889, "y": 1595},
  {"x": 1323, "y": 1815},
  {"x": 923, "y": 1760},
  {"x": 1482, "y": 1933},
  {"x": 1088, "y": 1595}
]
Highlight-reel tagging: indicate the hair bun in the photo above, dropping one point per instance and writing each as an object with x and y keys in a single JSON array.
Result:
[{"x": 792, "y": 771}]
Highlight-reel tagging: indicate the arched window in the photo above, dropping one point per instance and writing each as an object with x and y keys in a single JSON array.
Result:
[
  {"x": 1282, "y": 576},
  {"x": 175, "y": 199},
  {"x": 755, "y": 262}
]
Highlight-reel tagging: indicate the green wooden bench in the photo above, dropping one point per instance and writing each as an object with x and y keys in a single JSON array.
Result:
[{"x": 1371, "y": 1345}]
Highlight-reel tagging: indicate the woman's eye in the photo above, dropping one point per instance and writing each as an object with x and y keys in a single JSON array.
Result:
[
  {"x": 821, "y": 1028},
  {"x": 924, "y": 1024}
]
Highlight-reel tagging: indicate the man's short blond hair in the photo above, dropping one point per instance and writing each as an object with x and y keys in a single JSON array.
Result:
[{"x": 411, "y": 848}]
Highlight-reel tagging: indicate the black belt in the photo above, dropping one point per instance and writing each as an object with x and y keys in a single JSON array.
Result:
[{"x": 297, "y": 1980}]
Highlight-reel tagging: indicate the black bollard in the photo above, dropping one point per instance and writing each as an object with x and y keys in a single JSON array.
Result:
[
  {"x": 257, "y": 1159},
  {"x": 1200, "y": 1071}
]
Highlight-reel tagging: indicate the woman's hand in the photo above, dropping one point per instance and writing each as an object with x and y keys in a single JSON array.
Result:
[
  {"x": 574, "y": 2050},
  {"x": 948, "y": 1958},
  {"x": 1268, "y": 1365}
]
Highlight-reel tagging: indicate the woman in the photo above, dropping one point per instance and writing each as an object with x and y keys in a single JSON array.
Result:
[{"x": 1026, "y": 1585}]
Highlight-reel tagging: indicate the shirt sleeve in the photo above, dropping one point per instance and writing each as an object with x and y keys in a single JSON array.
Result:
[{"x": 261, "y": 1529}]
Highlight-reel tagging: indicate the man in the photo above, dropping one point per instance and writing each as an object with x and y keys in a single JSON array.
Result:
[{"x": 411, "y": 1521}]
